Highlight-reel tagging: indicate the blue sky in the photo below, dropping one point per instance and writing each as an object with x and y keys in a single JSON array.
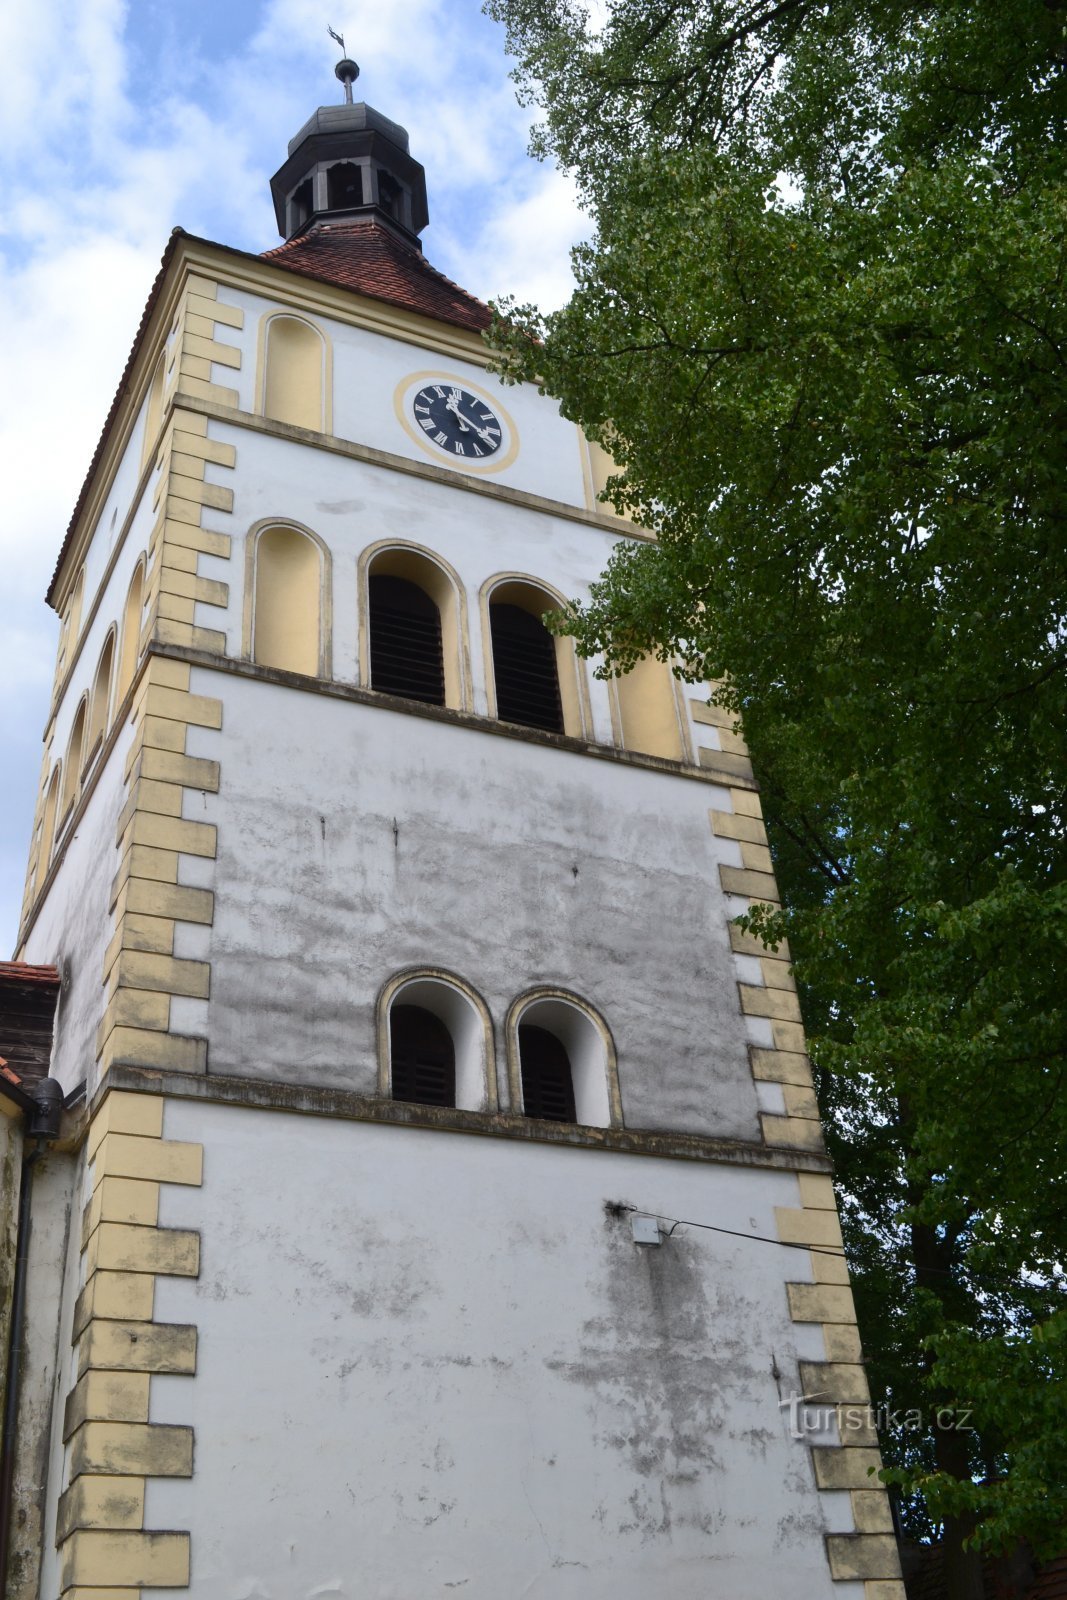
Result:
[{"x": 120, "y": 121}]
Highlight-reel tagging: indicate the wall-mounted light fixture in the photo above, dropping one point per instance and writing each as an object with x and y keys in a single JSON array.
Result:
[{"x": 645, "y": 1230}]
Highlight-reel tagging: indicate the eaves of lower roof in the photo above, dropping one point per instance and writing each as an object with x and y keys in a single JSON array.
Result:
[{"x": 20, "y": 974}]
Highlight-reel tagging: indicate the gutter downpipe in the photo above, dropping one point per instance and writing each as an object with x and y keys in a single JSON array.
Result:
[{"x": 41, "y": 1105}]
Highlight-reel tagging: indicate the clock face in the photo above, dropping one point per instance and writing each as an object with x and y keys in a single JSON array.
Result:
[{"x": 460, "y": 424}]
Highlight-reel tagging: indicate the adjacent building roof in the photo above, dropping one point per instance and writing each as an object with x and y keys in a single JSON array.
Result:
[
  {"x": 1015, "y": 1576},
  {"x": 28, "y": 997},
  {"x": 367, "y": 256},
  {"x": 20, "y": 972}
]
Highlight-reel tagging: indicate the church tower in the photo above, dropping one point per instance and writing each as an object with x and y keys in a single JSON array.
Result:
[{"x": 446, "y": 1211}]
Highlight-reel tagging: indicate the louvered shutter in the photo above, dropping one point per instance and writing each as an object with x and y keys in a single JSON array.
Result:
[
  {"x": 405, "y": 641},
  {"x": 524, "y": 663},
  {"x": 423, "y": 1057},
  {"x": 547, "y": 1085}
]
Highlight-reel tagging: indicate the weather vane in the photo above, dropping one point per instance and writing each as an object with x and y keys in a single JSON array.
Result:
[{"x": 345, "y": 69}]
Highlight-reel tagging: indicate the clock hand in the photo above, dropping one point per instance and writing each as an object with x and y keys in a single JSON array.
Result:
[
  {"x": 467, "y": 423},
  {"x": 452, "y": 404}
]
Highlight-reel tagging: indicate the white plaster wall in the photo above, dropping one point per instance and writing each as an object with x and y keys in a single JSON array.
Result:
[
  {"x": 355, "y": 841},
  {"x": 367, "y": 367},
  {"x": 352, "y": 505},
  {"x": 73, "y": 927},
  {"x": 109, "y": 614},
  {"x": 430, "y": 1363},
  {"x": 115, "y": 509},
  {"x": 49, "y": 1376}
]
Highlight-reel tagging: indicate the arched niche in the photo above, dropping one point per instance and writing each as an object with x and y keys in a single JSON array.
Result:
[
  {"x": 154, "y": 409},
  {"x": 296, "y": 372},
  {"x": 100, "y": 699},
  {"x": 413, "y": 564},
  {"x": 48, "y": 826},
  {"x": 288, "y": 600},
  {"x": 601, "y": 468},
  {"x": 130, "y": 647},
  {"x": 649, "y": 712},
  {"x": 585, "y": 1037},
  {"x": 72, "y": 761},
  {"x": 68, "y": 636},
  {"x": 518, "y": 593},
  {"x": 463, "y": 1013}
]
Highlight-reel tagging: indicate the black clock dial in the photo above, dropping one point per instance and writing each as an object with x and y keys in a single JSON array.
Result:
[{"x": 456, "y": 421}]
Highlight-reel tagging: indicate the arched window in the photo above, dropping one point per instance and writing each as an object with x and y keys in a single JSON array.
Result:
[
  {"x": 101, "y": 697},
  {"x": 423, "y": 1057},
  {"x": 287, "y": 602},
  {"x": 414, "y": 642},
  {"x": 72, "y": 763},
  {"x": 648, "y": 708},
  {"x": 547, "y": 1085},
  {"x": 301, "y": 205},
  {"x": 535, "y": 679},
  {"x": 130, "y": 648},
  {"x": 344, "y": 186},
  {"x": 405, "y": 640},
  {"x": 561, "y": 1061},
  {"x": 294, "y": 381},
  {"x": 410, "y": 1047},
  {"x": 48, "y": 827},
  {"x": 390, "y": 195}
]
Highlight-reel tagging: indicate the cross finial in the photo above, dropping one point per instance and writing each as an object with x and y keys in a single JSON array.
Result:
[{"x": 345, "y": 69}]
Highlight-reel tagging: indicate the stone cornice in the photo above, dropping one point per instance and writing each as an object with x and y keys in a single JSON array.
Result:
[{"x": 255, "y": 1094}]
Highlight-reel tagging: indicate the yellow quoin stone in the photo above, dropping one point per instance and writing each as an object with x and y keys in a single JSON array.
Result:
[{"x": 113, "y": 1447}]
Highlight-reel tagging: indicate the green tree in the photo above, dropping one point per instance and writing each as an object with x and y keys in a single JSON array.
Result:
[{"x": 820, "y": 329}]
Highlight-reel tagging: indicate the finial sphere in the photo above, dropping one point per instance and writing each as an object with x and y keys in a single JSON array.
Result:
[{"x": 346, "y": 70}]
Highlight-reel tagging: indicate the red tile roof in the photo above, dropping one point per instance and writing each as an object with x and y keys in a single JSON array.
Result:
[
  {"x": 368, "y": 257},
  {"x": 18, "y": 972}
]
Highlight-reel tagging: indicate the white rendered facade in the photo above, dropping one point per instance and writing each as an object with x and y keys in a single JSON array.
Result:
[{"x": 329, "y": 1342}]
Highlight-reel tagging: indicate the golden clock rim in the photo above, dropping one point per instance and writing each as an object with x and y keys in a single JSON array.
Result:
[{"x": 402, "y": 396}]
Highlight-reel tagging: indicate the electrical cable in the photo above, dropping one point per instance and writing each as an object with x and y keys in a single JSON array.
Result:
[
  {"x": 783, "y": 1244},
  {"x": 735, "y": 1233}
]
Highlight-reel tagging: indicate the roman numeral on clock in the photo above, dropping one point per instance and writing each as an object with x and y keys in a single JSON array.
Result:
[{"x": 458, "y": 422}]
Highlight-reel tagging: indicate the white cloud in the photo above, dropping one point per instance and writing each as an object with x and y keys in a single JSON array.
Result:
[
  {"x": 66, "y": 323},
  {"x": 523, "y": 247},
  {"x": 109, "y": 137},
  {"x": 63, "y": 67}
]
